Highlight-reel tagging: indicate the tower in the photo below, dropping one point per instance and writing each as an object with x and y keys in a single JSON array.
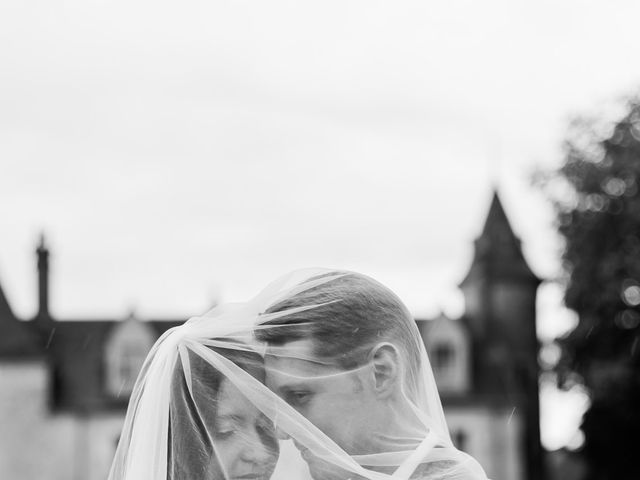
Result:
[{"x": 500, "y": 295}]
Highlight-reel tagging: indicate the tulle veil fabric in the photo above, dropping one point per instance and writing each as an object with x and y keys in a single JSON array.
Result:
[{"x": 173, "y": 431}]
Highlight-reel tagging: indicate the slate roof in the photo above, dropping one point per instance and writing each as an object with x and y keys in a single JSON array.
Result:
[
  {"x": 498, "y": 252},
  {"x": 75, "y": 351},
  {"x": 17, "y": 339}
]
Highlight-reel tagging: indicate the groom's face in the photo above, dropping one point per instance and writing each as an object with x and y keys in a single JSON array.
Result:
[{"x": 335, "y": 400}]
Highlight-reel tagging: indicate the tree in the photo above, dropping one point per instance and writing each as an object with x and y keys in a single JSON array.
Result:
[{"x": 596, "y": 196}]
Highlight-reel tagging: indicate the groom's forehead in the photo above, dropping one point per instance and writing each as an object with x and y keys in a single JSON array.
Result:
[
  {"x": 295, "y": 357},
  {"x": 300, "y": 352}
]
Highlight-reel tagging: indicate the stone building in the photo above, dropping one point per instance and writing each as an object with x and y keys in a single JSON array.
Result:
[{"x": 64, "y": 385}]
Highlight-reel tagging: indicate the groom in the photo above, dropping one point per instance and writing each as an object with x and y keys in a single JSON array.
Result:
[{"x": 348, "y": 365}]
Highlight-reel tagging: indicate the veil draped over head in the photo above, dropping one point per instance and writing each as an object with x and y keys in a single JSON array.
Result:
[{"x": 322, "y": 375}]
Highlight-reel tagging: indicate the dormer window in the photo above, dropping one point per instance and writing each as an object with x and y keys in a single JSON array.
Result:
[
  {"x": 448, "y": 347},
  {"x": 125, "y": 353},
  {"x": 132, "y": 357}
]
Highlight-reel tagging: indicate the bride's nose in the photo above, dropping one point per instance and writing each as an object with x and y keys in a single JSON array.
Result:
[
  {"x": 281, "y": 434},
  {"x": 255, "y": 450}
]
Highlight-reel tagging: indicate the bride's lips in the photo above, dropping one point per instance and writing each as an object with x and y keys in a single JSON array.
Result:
[
  {"x": 305, "y": 453},
  {"x": 250, "y": 476}
]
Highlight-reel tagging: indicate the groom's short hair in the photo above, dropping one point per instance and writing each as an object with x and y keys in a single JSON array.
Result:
[{"x": 355, "y": 313}]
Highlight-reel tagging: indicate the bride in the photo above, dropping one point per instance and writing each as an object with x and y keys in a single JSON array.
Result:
[
  {"x": 214, "y": 430},
  {"x": 325, "y": 367}
]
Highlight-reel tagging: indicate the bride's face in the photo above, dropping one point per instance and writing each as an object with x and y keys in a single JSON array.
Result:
[{"x": 245, "y": 443}]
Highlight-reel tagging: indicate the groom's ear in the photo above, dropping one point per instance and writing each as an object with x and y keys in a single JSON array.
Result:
[{"x": 385, "y": 359}]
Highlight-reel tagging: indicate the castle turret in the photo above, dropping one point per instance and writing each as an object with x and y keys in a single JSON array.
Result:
[{"x": 500, "y": 295}]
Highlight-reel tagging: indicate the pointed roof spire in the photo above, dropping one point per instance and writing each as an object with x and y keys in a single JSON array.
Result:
[
  {"x": 498, "y": 252},
  {"x": 496, "y": 218}
]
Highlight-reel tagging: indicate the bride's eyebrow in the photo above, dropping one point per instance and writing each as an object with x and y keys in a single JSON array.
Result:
[{"x": 233, "y": 417}]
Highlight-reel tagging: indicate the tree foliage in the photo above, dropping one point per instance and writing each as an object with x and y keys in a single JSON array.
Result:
[{"x": 596, "y": 194}]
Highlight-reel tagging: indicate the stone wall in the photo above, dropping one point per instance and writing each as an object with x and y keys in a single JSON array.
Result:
[
  {"x": 33, "y": 443},
  {"x": 491, "y": 436}
]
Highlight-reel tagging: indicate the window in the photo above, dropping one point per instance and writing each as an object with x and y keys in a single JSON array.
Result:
[
  {"x": 443, "y": 357},
  {"x": 447, "y": 343},
  {"x": 125, "y": 352},
  {"x": 131, "y": 359}
]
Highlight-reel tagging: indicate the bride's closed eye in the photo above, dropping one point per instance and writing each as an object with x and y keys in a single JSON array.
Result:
[
  {"x": 225, "y": 428},
  {"x": 223, "y": 434}
]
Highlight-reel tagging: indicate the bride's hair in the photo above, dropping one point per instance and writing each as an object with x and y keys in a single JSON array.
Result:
[
  {"x": 193, "y": 409},
  {"x": 353, "y": 313}
]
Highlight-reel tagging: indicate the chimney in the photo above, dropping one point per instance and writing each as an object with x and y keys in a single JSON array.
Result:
[{"x": 43, "y": 279}]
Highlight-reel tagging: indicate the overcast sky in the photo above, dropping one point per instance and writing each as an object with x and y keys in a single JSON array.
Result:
[{"x": 179, "y": 153}]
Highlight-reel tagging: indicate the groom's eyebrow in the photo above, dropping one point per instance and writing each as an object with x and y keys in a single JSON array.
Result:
[
  {"x": 313, "y": 360},
  {"x": 293, "y": 386}
]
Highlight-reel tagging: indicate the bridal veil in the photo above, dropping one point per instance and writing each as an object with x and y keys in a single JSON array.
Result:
[{"x": 283, "y": 387}]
